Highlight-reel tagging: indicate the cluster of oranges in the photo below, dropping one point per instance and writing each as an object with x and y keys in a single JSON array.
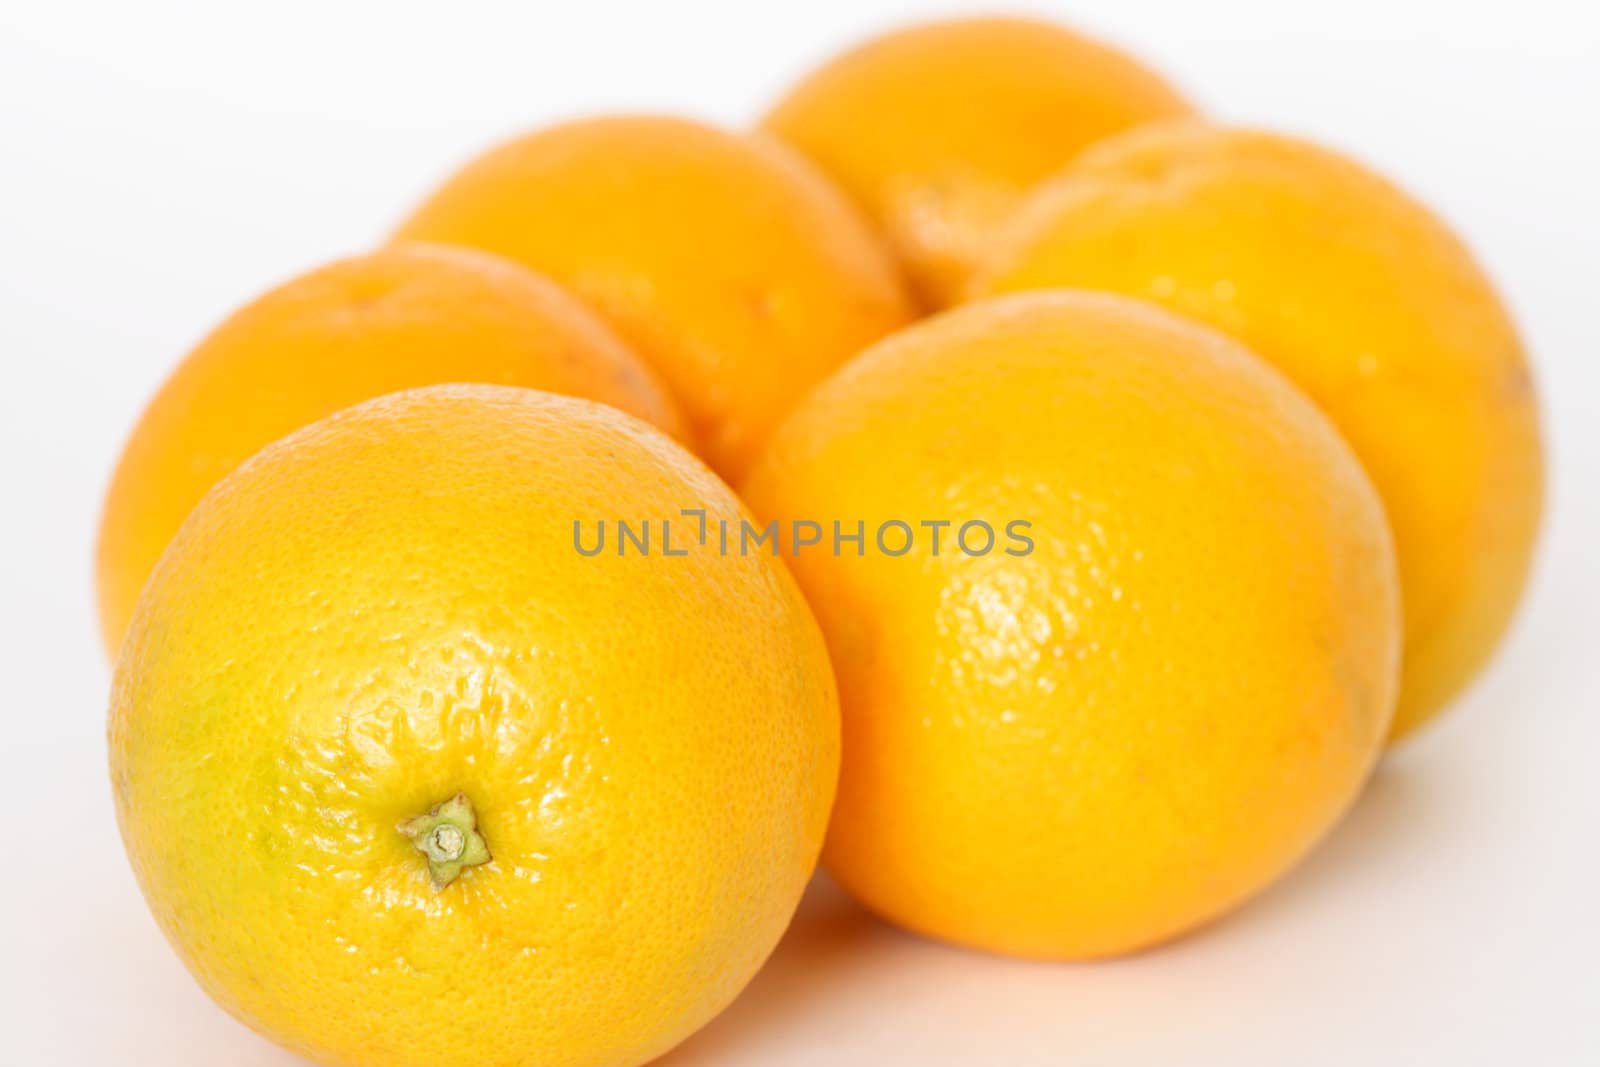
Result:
[{"x": 411, "y": 775}]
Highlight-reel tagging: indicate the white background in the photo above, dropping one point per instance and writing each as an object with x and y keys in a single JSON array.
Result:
[{"x": 160, "y": 164}]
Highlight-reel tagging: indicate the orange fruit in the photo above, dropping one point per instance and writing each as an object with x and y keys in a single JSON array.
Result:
[
  {"x": 1366, "y": 301},
  {"x": 728, "y": 261},
  {"x": 1087, "y": 734},
  {"x": 938, "y": 128},
  {"x": 355, "y": 329},
  {"x": 408, "y": 781}
]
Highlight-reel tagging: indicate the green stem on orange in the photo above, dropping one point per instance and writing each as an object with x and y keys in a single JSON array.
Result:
[{"x": 448, "y": 837}]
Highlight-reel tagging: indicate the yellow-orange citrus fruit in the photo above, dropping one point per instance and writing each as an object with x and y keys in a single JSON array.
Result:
[
  {"x": 938, "y": 128},
  {"x": 408, "y": 781},
  {"x": 1087, "y": 734},
  {"x": 728, "y": 261},
  {"x": 1370, "y": 305},
  {"x": 395, "y": 319}
]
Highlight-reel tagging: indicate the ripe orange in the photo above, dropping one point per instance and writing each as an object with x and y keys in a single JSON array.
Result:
[
  {"x": 355, "y": 329},
  {"x": 937, "y": 129},
  {"x": 1370, "y": 304},
  {"x": 1098, "y": 744},
  {"x": 728, "y": 261},
  {"x": 409, "y": 782}
]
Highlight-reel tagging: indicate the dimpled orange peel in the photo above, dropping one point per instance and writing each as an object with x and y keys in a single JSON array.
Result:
[
  {"x": 727, "y": 260},
  {"x": 1094, "y": 746},
  {"x": 408, "y": 781},
  {"x": 938, "y": 128},
  {"x": 395, "y": 319},
  {"x": 1370, "y": 304}
]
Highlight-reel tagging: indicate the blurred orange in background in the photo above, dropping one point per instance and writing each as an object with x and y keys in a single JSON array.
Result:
[
  {"x": 734, "y": 267},
  {"x": 405, "y": 316},
  {"x": 937, "y": 128}
]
